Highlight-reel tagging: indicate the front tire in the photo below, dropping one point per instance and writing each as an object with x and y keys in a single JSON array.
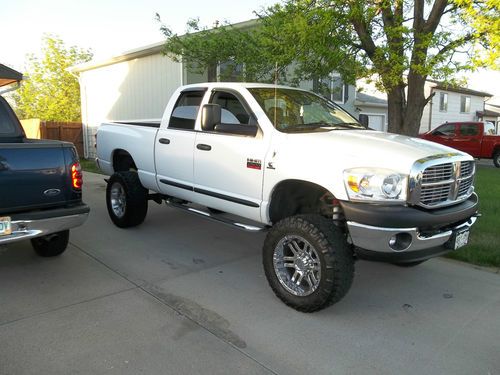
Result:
[
  {"x": 496, "y": 158},
  {"x": 307, "y": 262},
  {"x": 126, "y": 199},
  {"x": 51, "y": 245}
]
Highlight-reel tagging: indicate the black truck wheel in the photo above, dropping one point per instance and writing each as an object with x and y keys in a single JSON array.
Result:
[
  {"x": 307, "y": 262},
  {"x": 496, "y": 158},
  {"x": 51, "y": 245},
  {"x": 126, "y": 199}
]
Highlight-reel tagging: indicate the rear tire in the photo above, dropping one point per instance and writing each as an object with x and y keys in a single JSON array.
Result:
[
  {"x": 496, "y": 158},
  {"x": 51, "y": 245},
  {"x": 307, "y": 262},
  {"x": 126, "y": 199}
]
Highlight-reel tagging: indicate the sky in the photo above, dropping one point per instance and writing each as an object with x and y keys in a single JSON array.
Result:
[{"x": 110, "y": 27}]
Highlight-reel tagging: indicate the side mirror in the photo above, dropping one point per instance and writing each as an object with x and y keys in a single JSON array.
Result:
[
  {"x": 364, "y": 120},
  {"x": 210, "y": 116}
]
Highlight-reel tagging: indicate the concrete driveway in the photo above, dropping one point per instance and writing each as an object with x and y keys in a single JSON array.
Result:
[{"x": 182, "y": 295}]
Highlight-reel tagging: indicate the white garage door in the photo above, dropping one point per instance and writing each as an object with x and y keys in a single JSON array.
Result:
[{"x": 376, "y": 122}]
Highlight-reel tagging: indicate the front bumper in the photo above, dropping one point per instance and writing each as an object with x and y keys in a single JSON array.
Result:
[
  {"x": 40, "y": 223},
  {"x": 415, "y": 234}
]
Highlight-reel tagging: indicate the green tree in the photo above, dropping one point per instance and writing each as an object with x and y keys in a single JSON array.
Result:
[
  {"x": 50, "y": 91},
  {"x": 398, "y": 44}
]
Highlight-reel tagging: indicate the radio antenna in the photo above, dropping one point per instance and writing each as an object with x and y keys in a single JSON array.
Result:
[{"x": 275, "y": 93}]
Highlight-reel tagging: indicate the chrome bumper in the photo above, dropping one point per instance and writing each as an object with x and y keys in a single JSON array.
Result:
[
  {"x": 377, "y": 238},
  {"x": 26, "y": 229}
]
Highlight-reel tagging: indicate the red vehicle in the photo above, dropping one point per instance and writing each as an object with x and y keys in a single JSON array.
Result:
[{"x": 476, "y": 138}]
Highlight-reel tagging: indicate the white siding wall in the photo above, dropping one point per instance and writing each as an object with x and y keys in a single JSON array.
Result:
[
  {"x": 453, "y": 112},
  {"x": 129, "y": 90}
]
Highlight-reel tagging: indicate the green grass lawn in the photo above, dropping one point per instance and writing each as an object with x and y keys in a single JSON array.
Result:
[
  {"x": 89, "y": 165},
  {"x": 484, "y": 245}
]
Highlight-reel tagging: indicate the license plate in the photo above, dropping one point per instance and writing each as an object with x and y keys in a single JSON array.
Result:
[
  {"x": 5, "y": 227},
  {"x": 461, "y": 239}
]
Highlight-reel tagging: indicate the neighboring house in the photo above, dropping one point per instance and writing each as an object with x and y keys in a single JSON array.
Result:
[
  {"x": 450, "y": 104},
  {"x": 137, "y": 85},
  {"x": 9, "y": 77}
]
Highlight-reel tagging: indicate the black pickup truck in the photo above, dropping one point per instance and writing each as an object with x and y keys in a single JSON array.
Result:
[{"x": 40, "y": 188}]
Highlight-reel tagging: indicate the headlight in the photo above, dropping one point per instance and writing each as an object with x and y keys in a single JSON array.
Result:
[{"x": 368, "y": 184}]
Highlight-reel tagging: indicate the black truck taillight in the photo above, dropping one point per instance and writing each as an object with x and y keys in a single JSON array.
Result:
[{"x": 76, "y": 176}]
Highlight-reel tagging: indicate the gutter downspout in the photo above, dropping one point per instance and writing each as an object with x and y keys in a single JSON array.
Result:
[{"x": 430, "y": 108}]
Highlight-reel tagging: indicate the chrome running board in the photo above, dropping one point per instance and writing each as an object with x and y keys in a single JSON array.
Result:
[{"x": 217, "y": 218}]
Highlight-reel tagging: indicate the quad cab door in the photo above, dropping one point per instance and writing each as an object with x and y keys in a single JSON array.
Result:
[
  {"x": 229, "y": 160},
  {"x": 174, "y": 146},
  {"x": 469, "y": 139}
]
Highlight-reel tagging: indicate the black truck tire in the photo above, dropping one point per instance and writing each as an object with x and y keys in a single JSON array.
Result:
[
  {"x": 496, "y": 158},
  {"x": 51, "y": 245},
  {"x": 308, "y": 262},
  {"x": 126, "y": 199}
]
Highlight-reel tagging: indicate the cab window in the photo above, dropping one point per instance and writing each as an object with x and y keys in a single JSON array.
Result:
[
  {"x": 232, "y": 110},
  {"x": 447, "y": 130}
]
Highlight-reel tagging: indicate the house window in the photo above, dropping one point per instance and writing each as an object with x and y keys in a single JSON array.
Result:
[
  {"x": 443, "y": 101},
  {"x": 229, "y": 71},
  {"x": 333, "y": 88},
  {"x": 464, "y": 104}
]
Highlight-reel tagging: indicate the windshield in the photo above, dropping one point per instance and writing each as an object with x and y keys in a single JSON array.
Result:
[{"x": 300, "y": 111}]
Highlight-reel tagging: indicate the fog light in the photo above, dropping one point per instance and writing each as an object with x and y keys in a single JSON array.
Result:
[{"x": 400, "y": 241}]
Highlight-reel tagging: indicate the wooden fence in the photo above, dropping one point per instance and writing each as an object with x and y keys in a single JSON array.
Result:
[{"x": 62, "y": 131}]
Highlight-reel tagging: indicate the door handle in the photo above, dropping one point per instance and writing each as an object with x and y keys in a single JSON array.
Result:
[
  {"x": 164, "y": 141},
  {"x": 203, "y": 147}
]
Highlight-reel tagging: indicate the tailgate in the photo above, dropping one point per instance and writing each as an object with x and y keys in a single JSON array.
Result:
[{"x": 35, "y": 175}]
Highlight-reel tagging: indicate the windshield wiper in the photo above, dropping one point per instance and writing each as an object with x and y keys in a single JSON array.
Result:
[{"x": 346, "y": 125}]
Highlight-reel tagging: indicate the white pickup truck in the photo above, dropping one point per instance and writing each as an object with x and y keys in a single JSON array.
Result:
[{"x": 275, "y": 158}]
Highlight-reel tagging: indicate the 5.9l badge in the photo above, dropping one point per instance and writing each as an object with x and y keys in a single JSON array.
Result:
[{"x": 254, "y": 164}]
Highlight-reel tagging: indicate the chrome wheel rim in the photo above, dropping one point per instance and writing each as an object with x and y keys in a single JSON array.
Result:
[
  {"x": 297, "y": 265},
  {"x": 118, "y": 200}
]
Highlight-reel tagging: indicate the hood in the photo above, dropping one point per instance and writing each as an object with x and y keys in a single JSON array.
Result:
[{"x": 366, "y": 148}]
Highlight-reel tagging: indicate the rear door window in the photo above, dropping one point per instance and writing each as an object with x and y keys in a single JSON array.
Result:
[
  {"x": 469, "y": 129},
  {"x": 186, "y": 110}
]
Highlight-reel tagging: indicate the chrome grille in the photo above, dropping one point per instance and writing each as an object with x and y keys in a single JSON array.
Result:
[
  {"x": 466, "y": 178},
  {"x": 435, "y": 184},
  {"x": 435, "y": 194},
  {"x": 438, "y": 173}
]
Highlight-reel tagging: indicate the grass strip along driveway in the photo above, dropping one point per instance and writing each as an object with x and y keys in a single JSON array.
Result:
[{"x": 484, "y": 246}]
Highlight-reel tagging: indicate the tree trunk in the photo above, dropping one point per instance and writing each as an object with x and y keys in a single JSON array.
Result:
[
  {"x": 416, "y": 103},
  {"x": 396, "y": 108},
  {"x": 405, "y": 114},
  {"x": 212, "y": 72}
]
